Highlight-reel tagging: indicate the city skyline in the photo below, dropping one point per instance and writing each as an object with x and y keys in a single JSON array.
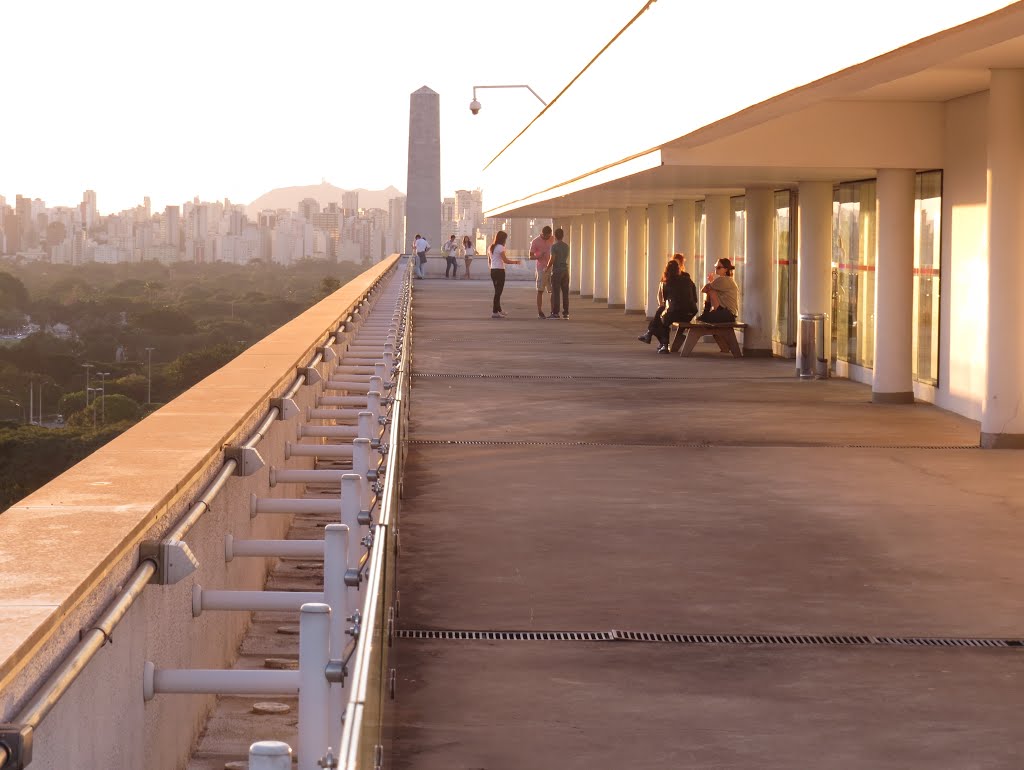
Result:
[{"x": 313, "y": 222}]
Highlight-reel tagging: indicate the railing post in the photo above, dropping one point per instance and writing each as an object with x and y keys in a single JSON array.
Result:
[
  {"x": 350, "y": 515},
  {"x": 368, "y": 427},
  {"x": 314, "y": 689},
  {"x": 361, "y": 467},
  {"x": 270, "y": 755},
  {"x": 336, "y": 537}
]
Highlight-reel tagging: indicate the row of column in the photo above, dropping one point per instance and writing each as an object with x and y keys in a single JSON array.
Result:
[
  {"x": 610, "y": 252},
  {"x": 609, "y": 263}
]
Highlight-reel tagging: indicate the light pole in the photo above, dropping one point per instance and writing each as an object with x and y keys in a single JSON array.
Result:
[
  {"x": 474, "y": 106},
  {"x": 149, "y": 376},
  {"x": 103, "y": 395},
  {"x": 87, "y": 367},
  {"x": 93, "y": 391}
]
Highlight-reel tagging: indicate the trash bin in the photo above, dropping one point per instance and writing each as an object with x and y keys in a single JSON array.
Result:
[{"x": 814, "y": 354}]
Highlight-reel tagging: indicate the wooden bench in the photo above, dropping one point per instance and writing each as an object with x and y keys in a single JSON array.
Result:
[{"x": 724, "y": 334}]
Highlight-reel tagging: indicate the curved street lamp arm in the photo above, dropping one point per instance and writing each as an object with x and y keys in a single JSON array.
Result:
[{"x": 516, "y": 86}]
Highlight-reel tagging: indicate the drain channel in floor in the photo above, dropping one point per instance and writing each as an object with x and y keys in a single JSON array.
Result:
[
  {"x": 734, "y": 639},
  {"x": 571, "y": 377},
  {"x": 681, "y": 445}
]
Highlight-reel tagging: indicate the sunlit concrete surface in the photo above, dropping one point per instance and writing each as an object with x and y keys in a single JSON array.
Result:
[{"x": 605, "y": 487}]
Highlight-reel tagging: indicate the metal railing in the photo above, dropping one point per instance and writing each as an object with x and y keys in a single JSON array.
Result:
[
  {"x": 169, "y": 560},
  {"x": 343, "y": 632}
]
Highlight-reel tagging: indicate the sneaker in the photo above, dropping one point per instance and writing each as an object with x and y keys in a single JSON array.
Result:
[
  {"x": 663, "y": 350},
  {"x": 503, "y": 314},
  {"x": 541, "y": 315},
  {"x": 565, "y": 316},
  {"x": 496, "y": 315},
  {"x": 554, "y": 315}
]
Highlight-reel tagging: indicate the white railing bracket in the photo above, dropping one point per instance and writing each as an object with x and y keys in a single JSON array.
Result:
[
  {"x": 17, "y": 740},
  {"x": 247, "y": 459},
  {"x": 173, "y": 558},
  {"x": 286, "y": 408}
]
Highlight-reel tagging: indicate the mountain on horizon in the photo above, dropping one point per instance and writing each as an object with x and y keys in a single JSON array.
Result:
[{"x": 323, "y": 193}]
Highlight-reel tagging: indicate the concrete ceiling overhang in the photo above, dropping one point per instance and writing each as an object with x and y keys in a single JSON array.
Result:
[{"x": 884, "y": 113}]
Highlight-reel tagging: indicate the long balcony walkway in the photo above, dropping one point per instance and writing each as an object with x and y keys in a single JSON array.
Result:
[{"x": 564, "y": 477}]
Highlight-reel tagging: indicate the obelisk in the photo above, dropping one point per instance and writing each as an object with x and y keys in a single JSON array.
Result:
[{"x": 423, "y": 197}]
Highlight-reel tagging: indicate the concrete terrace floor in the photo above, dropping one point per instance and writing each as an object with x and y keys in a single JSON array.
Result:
[{"x": 601, "y": 486}]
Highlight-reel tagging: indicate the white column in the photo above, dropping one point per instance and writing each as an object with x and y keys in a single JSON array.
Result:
[
  {"x": 601, "y": 257},
  {"x": 617, "y": 259},
  {"x": 893, "y": 381},
  {"x": 518, "y": 238},
  {"x": 657, "y": 252},
  {"x": 718, "y": 212},
  {"x": 757, "y": 273},
  {"x": 683, "y": 213},
  {"x": 815, "y": 265},
  {"x": 575, "y": 254},
  {"x": 1002, "y": 416},
  {"x": 636, "y": 263},
  {"x": 587, "y": 258}
]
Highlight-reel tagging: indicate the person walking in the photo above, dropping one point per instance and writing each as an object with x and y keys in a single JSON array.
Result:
[
  {"x": 540, "y": 251},
  {"x": 422, "y": 247},
  {"x": 498, "y": 262},
  {"x": 468, "y": 252},
  {"x": 559, "y": 275},
  {"x": 450, "y": 249}
]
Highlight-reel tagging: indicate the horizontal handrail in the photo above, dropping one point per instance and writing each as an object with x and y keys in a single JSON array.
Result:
[
  {"x": 350, "y": 748},
  {"x": 92, "y": 641}
]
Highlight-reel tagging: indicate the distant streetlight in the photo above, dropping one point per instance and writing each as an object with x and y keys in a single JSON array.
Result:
[
  {"x": 103, "y": 396},
  {"x": 474, "y": 106},
  {"x": 149, "y": 376},
  {"x": 87, "y": 367},
  {"x": 94, "y": 391}
]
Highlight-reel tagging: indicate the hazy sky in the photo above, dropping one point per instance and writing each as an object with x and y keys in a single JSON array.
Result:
[{"x": 231, "y": 98}]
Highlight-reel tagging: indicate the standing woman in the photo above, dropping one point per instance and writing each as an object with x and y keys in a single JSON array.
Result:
[
  {"x": 498, "y": 262},
  {"x": 468, "y": 252}
]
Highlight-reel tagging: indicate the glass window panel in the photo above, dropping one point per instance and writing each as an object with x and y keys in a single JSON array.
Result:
[
  {"x": 784, "y": 269},
  {"x": 738, "y": 241},
  {"x": 927, "y": 243},
  {"x": 853, "y": 273},
  {"x": 700, "y": 247}
]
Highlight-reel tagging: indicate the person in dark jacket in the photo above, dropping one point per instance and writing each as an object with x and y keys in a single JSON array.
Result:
[{"x": 680, "y": 305}]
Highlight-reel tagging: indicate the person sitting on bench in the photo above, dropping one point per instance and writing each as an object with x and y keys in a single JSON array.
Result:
[
  {"x": 680, "y": 297},
  {"x": 722, "y": 302}
]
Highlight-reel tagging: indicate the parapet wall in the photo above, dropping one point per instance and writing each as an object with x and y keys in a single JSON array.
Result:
[{"x": 66, "y": 550}]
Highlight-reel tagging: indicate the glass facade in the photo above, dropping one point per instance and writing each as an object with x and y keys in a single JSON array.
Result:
[
  {"x": 738, "y": 241},
  {"x": 854, "y": 239},
  {"x": 700, "y": 246},
  {"x": 927, "y": 242},
  {"x": 784, "y": 268}
]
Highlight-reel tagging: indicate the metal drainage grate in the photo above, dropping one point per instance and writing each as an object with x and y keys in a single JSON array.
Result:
[
  {"x": 512, "y": 636},
  {"x": 501, "y": 340},
  {"x": 785, "y": 640},
  {"x": 481, "y": 376},
  {"x": 674, "y": 445},
  {"x": 907, "y": 446},
  {"x": 457, "y": 442}
]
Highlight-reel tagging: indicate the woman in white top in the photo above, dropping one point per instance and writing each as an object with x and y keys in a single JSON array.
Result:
[
  {"x": 468, "y": 252},
  {"x": 498, "y": 262}
]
